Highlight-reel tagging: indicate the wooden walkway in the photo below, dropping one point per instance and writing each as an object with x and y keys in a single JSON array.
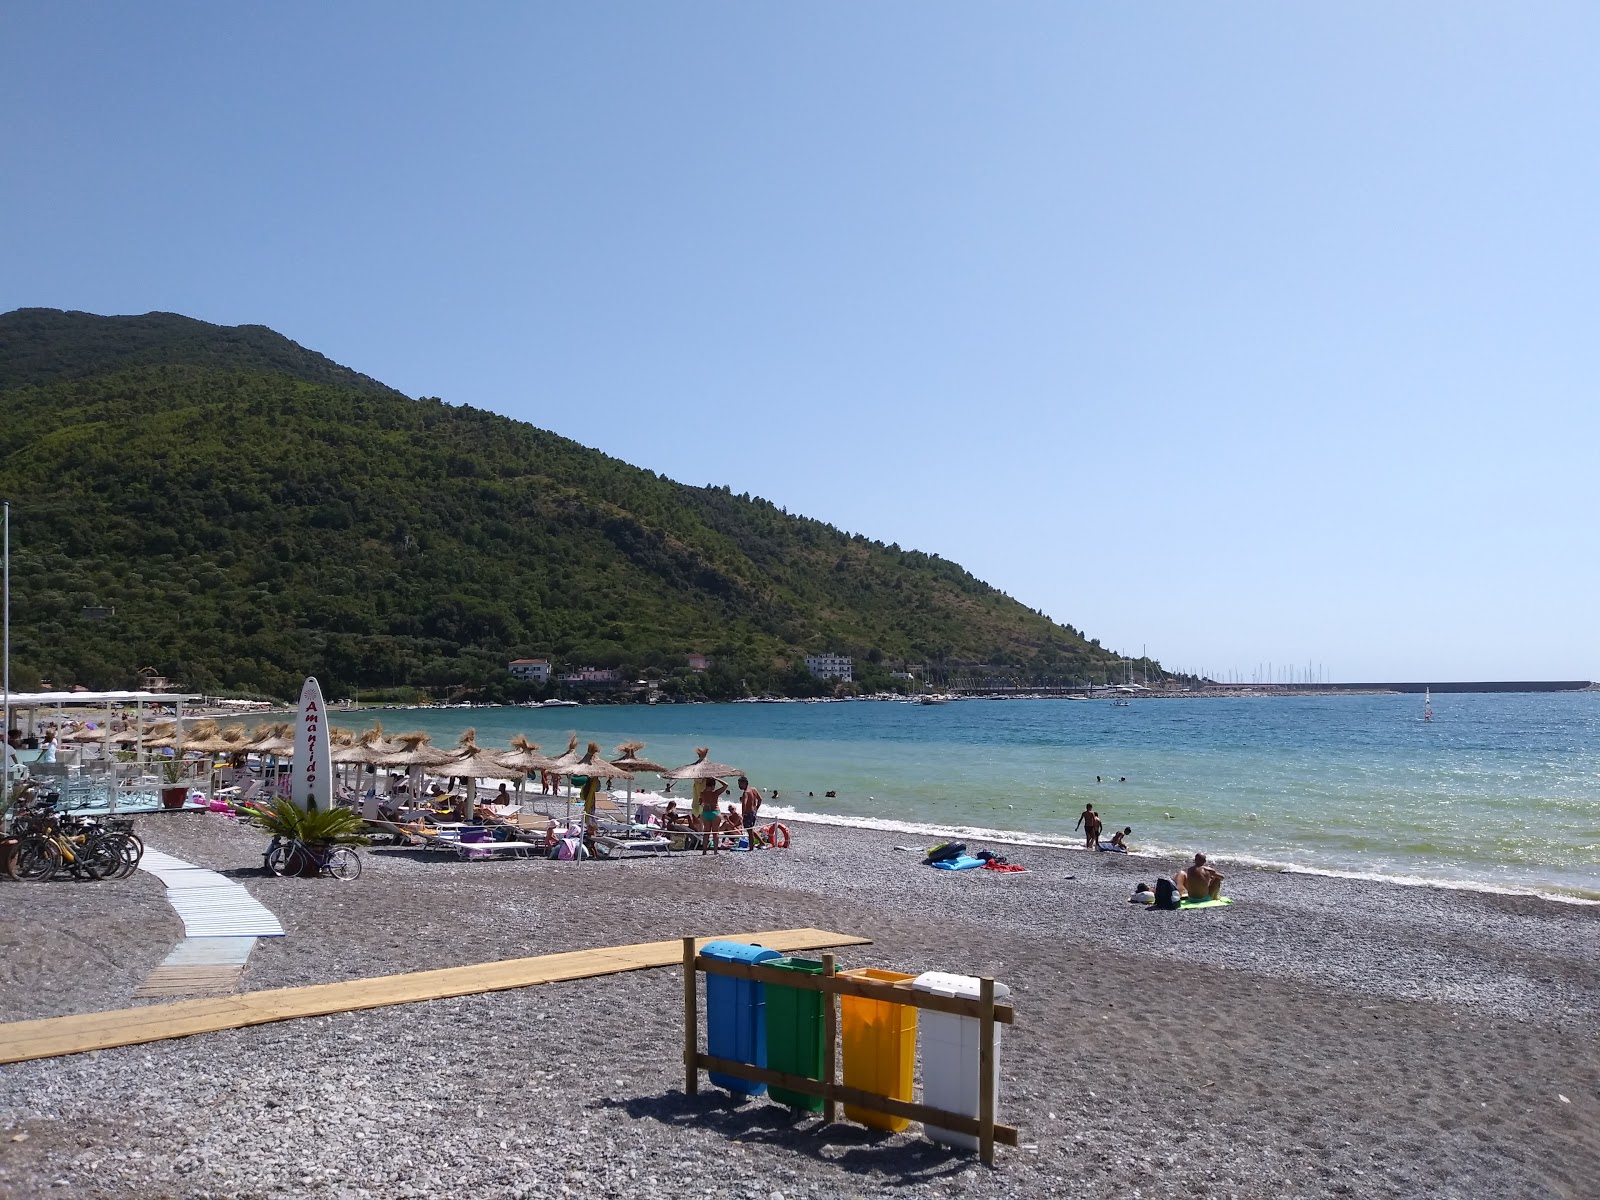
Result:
[{"x": 21, "y": 1041}]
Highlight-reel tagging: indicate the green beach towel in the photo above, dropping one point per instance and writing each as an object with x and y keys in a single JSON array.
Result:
[{"x": 1217, "y": 903}]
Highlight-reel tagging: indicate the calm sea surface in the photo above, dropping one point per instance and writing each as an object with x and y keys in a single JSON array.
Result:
[{"x": 1498, "y": 790}]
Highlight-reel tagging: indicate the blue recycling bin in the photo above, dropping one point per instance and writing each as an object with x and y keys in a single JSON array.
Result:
[{"x": 736, "y": 1014}]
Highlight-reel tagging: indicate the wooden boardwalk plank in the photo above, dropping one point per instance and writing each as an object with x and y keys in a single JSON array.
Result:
[{"x": 21, "y": 1041}]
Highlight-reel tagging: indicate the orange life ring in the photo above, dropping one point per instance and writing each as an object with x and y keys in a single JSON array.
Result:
[{"x": 780, "y": 836}]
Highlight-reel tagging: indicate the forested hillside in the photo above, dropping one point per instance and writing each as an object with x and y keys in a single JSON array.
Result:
[{"x": 254, "y": 512}]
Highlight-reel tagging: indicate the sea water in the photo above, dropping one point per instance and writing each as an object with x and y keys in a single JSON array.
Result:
[{"x": 1498, "y": 791}]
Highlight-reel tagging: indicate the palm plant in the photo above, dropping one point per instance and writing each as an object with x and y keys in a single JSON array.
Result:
[{"x": 321, "y": 827}]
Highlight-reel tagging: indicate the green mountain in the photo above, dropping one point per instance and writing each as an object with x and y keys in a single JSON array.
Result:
[{"x": 236, "y": 511}]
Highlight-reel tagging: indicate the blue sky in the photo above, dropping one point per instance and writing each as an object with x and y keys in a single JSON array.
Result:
[{"x": 1243, "y": 332}]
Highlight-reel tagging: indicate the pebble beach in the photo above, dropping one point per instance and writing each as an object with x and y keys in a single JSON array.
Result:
[{"x": 1322, "y": 1036}]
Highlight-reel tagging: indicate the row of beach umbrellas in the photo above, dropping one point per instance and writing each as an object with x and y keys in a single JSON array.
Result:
[{"x": 414, "y": 750}]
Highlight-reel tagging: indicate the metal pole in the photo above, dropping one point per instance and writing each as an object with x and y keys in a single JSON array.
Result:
[
  {"x": 691, "y": 1022},
  {"x": 10, "y": 753}
]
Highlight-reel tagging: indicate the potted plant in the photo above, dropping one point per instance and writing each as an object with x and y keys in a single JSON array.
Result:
[
  {"x": 175, "y": 793},
  {"x": 318, "y": 831}
]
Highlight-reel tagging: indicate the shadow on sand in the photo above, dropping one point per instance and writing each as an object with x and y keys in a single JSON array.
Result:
[{"x": 761, "y": 1122}]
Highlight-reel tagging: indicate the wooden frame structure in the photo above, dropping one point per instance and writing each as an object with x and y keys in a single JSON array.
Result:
[{"x": 984, "y": 1127}]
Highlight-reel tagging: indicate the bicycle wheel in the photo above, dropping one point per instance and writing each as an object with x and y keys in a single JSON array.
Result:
[
  {"x": 132, "y": 852},
  {"x": 37, "y": 858},
  {"x": 101, "y": 857},
  {"x": 278, "y": 859},
  {"x": 343, "y": 863}
]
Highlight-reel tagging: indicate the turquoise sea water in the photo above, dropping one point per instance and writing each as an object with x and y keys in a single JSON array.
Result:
[{"x": 1498, "y": 790}]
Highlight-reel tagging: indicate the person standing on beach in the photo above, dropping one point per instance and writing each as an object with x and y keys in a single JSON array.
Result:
[
  {"x": 704, "y": 810},
  {"x": 1090, "y": 821},
  {"x": 749, "y": 804}
]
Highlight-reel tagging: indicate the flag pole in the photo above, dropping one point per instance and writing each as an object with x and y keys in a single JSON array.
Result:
[{"x": 5, "y": 731}]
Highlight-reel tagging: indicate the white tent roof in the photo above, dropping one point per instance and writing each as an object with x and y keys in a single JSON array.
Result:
[{"x": 41, "y": 699}]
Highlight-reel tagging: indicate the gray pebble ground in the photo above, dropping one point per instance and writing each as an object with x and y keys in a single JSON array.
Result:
[{"x": 1321, "y": 1037}]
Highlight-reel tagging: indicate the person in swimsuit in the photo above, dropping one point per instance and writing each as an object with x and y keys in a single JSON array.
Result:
[
  {"x": 704, "y": 810},
  {"x": 749, "y": 803},
  {"x": 1197, "y": 881},
  {"x": 1120, "y": 839},
  {"x": 1090, "y": 820}
]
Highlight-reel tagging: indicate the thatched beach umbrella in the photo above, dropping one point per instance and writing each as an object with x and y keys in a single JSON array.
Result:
[
  {"x": 473, "y": 762},
  {"x": 163, "y": 737},
  {"x": 593, "y": 768},
  {"x": 628, "y": 759},
  {"x": 525, "y": 756},
  {"x": 414, "y": 754},
  {"x": 87, "y": 733},
  {"x": 274, "y": 743},
  {"x": 701, "y": 769},
  {"x": 204, "y": 738}
]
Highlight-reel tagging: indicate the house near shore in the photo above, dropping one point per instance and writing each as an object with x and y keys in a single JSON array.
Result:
[
  {"x": 838, "y": 667},
  {"x": 699, "y": 663},
  {"x": 534, "y": 670},
  {"x": 592, "y": 677}
]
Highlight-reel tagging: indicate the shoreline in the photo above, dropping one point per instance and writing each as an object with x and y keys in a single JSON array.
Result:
[{"x": 1248, "y": 862}]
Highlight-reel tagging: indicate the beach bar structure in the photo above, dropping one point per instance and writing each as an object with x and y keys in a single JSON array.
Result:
[
  {"x": 877, "y": 986},
  {"x": 137, "y": 781}
]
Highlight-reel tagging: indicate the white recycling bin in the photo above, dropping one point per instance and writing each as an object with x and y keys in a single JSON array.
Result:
[{"x": 950, "y": 1050}]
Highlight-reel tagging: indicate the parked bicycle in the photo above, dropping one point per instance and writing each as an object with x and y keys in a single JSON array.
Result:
[
  {"x": 49, "y": 845},
  {"x": 291, "y": 856}
]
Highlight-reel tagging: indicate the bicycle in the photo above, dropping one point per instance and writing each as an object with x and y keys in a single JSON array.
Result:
[
  {"x": 85, "y": 850},
  {"x": 291, "y": 856}
]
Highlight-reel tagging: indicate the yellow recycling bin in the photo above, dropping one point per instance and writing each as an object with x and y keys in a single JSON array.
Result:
[{"x": 880, "y": 1048}]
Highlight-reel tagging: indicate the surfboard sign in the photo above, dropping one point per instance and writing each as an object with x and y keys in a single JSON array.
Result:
[{"x": 313, "y": 763}]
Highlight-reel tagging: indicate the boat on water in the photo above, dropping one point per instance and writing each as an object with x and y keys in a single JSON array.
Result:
[{"x": 559, "y": 704}]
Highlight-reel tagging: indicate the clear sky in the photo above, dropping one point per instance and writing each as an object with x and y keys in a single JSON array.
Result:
[{"x": 1245, "y": 332}]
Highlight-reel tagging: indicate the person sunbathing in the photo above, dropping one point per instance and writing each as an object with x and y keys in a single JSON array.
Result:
[{"x": 1197, "y": 881}]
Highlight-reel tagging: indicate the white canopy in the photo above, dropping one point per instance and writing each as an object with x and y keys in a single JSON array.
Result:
[{"x": 52, "y": 699}]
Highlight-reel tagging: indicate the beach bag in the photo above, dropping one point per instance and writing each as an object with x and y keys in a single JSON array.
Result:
[
  {"x": 1166, "y": 894},
  {"x": 946, "y": 850}
]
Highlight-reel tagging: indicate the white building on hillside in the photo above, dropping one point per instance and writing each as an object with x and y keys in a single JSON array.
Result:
[
  {"x": 534, "y": 669},
  {"x": 831, "y": 666}
]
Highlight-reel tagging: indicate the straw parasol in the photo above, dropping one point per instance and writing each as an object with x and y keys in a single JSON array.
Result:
[
  {"x": 701, "y": 769},
  {"x": 86, "y": 734},
  {"x": 204, "y": 738},
  {"x": 629, "y": 759},
  {"x": 473, "y": 762},
  {"x": 412, "y": 750},
  {"x": 595, "y": 767},
  {"x": 276, "y": 740},
  {"x": 525, "y": 757},
  {"x": 163, "y": 737},
  {"x": 558, "y": 766}
]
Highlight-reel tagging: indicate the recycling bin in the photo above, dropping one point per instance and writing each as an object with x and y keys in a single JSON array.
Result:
[
  {"x": 736, "y": 1014},
  {"x": 794, "y": 1032},
  {"x": 879, "y": 1039},
  {"x": 950, "y": 1050}
]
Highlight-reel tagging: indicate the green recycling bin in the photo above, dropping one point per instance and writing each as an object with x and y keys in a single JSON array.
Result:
[{"x": 794, "y": 1032}]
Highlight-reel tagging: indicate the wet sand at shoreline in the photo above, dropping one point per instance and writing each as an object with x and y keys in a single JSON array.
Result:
[{"x": 1320, "y": 1037}]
